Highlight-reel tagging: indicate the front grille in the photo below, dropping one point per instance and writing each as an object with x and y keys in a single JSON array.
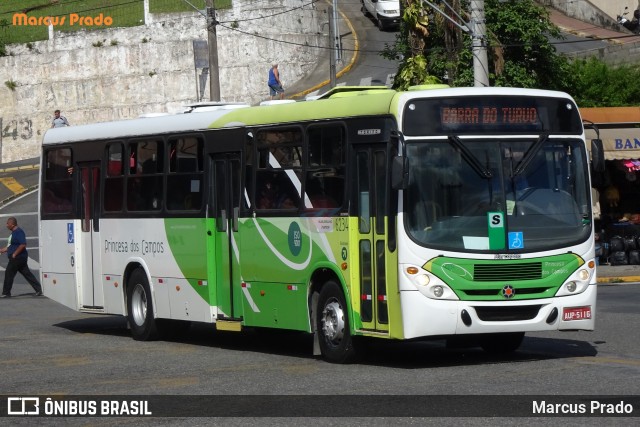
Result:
[
  {"x": 507, "y": 272},
  {"x": 507, "y": 314},
  {"x": 498, "y": 291}
]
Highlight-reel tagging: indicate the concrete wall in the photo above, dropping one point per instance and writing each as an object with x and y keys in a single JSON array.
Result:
[
  {"x": 602, "y": 13},
  {"x": 150, "y": 68},
  {"x": 613, "y": 54},
  {"x": 598, "y": 12}
]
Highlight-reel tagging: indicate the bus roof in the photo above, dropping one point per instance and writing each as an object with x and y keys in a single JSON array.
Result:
[
  {"x": 366, "y": 102},
  {"x": 202, "y": 118},
  {"x": 198, "y": 120},
  {"x": 336, "y": 104}
]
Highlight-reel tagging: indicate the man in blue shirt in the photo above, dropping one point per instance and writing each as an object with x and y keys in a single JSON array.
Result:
[
  {"x": 275, "y": 85},
  {"x": 16, "y": 250}
]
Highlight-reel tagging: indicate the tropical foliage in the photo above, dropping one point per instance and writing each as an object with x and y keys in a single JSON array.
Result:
[{"x": 433, "y": 49}]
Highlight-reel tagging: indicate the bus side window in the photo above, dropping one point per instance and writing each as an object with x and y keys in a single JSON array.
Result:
[
  {"x": 184, "y": 180},
  {"x": 114, "y": 181},
  {"x": 57, "y": 189},
  {"x": 145, "y": 181},
  {"x": 279, "y": 173},
  {"x": 325, "y": 183},
  {"x": 276, "y": 191}
]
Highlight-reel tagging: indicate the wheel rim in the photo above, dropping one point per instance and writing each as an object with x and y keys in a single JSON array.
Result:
[
  {"x": 139, "y": 305},
  {"x": 333, "y": 322}
]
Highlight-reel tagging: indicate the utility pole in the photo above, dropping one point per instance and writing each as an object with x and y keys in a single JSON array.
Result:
[
  {"x": 214, "y": 72},
  {"x": 478, "y": 31},
  {"x": 479, "y": 43},
  {"x": 332, "y": 54}
]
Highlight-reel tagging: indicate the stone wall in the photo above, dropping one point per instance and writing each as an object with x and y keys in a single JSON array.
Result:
[{"x": 121, "y": 73}]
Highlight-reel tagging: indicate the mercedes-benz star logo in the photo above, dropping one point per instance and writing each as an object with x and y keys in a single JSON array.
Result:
[{"x": 508, "y": 291}]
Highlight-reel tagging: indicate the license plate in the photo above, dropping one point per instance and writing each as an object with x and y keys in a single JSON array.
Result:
[{"x": 576, "y": 313}]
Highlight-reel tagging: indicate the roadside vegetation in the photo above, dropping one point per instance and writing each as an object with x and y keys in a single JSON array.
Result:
[{"x": 520, "y": 54}]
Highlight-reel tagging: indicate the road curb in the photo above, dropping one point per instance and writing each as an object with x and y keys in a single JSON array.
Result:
[
  {"x": 16, "y": 195},
  {"x": 346, "y": 68},
  {"x": 19, "y": 168},
  {"x": 618, "y": 279}
]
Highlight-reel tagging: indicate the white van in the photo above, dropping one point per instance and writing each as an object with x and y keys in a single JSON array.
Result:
[{"x": 385, "y": 12}]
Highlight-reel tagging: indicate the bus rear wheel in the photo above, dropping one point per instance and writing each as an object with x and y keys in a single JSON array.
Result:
[
  {"x": 140, "y": 308},
  {"x": 504, "y": 343},
  {"x": 334, "y": 334}
]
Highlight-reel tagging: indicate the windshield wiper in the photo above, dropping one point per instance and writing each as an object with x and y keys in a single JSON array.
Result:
[
  {"x": 470, "y": 158},
  {"x": 533, "y": 150}
]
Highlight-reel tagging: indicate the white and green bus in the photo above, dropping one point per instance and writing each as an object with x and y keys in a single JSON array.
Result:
[{"x": 435, "y": 213}]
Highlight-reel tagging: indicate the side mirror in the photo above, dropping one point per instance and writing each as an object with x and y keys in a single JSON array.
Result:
[
  {"x": 597, "y": 155},
  {"x": 399, "y": 173}
]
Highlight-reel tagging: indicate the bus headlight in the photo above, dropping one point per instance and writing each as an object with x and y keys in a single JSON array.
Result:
[
  {"x": 583, "y": 274},
  {"x": 438, "y": 291},
  {"x": 423, "y": 280},
  {"x": 429, "y": 285},
  {"x": 576, "y": 283}
]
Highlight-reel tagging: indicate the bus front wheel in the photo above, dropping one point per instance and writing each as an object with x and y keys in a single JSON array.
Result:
[
  {"x": 336, "y": 341},
  {"x": 140, "y": 308}
]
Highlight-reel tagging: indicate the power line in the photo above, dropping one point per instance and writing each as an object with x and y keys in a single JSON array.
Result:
[{"x": 270, "y": 16}]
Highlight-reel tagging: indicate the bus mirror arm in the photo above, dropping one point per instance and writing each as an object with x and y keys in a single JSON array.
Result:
[
  {"x": 399, "y": 164},
  {"x": 399, "y": 173},
  {"x": 597, "y": 155}
]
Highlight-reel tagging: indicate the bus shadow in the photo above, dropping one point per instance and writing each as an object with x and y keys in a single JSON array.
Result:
[
  {"x": 392, "y": 354},
  {"x": 434, "y": 354},
  {"x": 100, "y": 325}
]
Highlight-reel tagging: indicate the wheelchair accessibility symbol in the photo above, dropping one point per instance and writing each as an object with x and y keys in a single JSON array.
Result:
[{"x": 516, "y": 240}]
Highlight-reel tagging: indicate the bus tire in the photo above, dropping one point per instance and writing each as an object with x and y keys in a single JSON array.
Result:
[
  {"x": 140, "y": 307},
  {"x": 503, "y": 343},
  {"x": 334, "y": 334}
]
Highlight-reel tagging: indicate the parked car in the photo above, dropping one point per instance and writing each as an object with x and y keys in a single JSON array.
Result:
[{"x": 385, "y": 12}]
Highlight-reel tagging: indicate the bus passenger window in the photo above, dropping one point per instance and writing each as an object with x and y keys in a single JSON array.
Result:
[
  {"x": 184, "y": 181},
  {"x": 114, "y": 182},
  {"x": 279, "y": 172},
  {"x": 145, "y": 181},
  {"x": 276, "y": 191},
  {"x": 325, "y": 183},
  {"x": 57, "y": 192}
]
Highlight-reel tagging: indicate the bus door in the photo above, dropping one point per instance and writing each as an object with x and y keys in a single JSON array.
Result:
[
  {"x": 224, "y": 243},
  {"x": 371, "y": 169},
  {"x": 88, "y": 240}
]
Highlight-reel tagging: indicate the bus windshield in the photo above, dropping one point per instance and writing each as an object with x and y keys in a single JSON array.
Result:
[{"x": 539, "y": 186}]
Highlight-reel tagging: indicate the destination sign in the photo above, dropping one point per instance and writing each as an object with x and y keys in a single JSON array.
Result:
[
  {"x": 489, "y": 115},
  {"x": 486, "y": 114}
]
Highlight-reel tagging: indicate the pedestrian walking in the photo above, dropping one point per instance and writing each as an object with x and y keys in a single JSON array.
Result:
[
  {"x": 58, "y": 120},
  {"x": 275, "y": 85},
  {"x": 16, "y": 250}
]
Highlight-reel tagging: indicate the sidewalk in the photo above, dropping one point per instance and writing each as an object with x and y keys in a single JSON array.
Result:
[{"x": 618, "y": 274}]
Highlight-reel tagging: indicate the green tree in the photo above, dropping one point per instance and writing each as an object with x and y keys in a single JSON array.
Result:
[
  {"x": 519, "y": 50},
  {"x": 410, "y": 47},
  {"x": 596, "y": 84}
]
